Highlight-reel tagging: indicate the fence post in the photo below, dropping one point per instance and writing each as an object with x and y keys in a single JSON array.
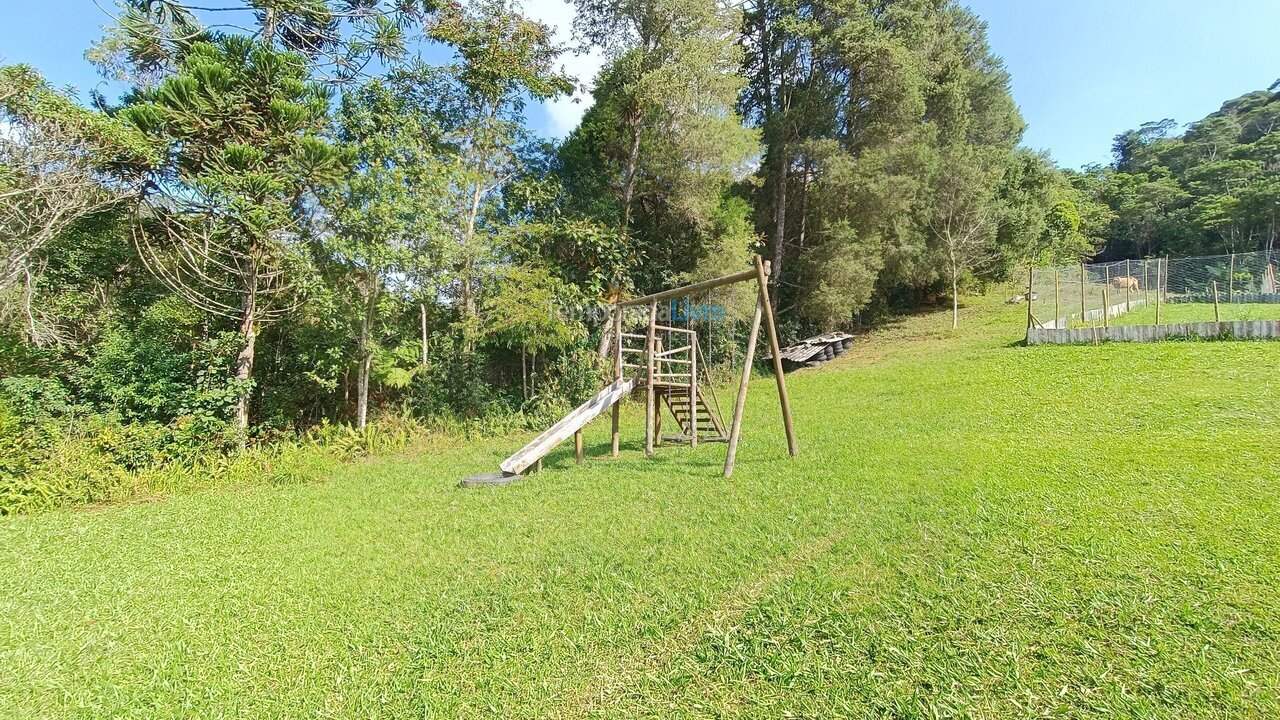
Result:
[
  {"x": 617, "y": 375},
  {"x": 649, "y": 396},
  {"x": 1165, "y": 290},
  {"x": 1216, "y": 316},
  {"x": 1031, "y": 283},
  {"x": 1083, "y": 308},
  {"x": 693, "y": 390}
]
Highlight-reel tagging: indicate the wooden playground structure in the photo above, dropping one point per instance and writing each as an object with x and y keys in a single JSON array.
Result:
[{"x": 674, "y": 380}]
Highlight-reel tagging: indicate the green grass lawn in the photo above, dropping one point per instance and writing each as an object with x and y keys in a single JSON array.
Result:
[
  {"x": 973, "y": 528},
  {"x": 1197, "y": 312}
]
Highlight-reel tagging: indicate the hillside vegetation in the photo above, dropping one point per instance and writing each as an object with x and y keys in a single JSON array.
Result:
[{"x": 973, "y": 527}]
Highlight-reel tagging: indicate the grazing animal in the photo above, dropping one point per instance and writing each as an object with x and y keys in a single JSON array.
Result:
[
  {"x": 1022, "y": 298},
  {"x": 1124, "y": 282}
]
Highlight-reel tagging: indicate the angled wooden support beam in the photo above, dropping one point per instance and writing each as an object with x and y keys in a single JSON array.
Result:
[
  {"x": 617, "y": 375},
  {"x": 735, "y": 430},
  {"x": 648, "y": 389},
  {"x": 762, "y": 283}
]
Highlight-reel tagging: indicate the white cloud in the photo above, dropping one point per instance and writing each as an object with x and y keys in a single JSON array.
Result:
[{"x": 565, "y": 113}]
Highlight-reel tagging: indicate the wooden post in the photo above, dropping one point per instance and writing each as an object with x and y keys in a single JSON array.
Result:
[
  {"x": 617, "y": 375},
  {"x": 1031, "y": 283},
  {"x": 693, "y": 391},
  {"x": 1216, "y": 316},
  {"x": 1157, "y": 291},
  {"x": 1231, "y": 279},
  {"x": 1146, "y": 293},
  {"x": 1057, "y": 309},
  {"x": 648, "y": 386},
  {"x": 660, "y": 344},
  {"x": 735, "y": 430},
  {"x": 1083, "y": 308},
  {"x": 762, "y": 284},
  {"x": 577, "y": 446}
]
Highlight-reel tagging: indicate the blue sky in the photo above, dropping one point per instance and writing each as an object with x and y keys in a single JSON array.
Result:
[{"x": 1083, "y": 70}]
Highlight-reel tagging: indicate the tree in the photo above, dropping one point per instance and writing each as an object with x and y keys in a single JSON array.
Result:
[
  {"x": 1208, "y": 190},
  {"x": 55, "y": 158},
  {"x": 220, "y": 226},
  {"x": 779, "y": 65},
  {"x": 386, "y": 219},
  {"x": 884, "y": 95},
  {"x": 964, "y": 217},
  {"x": 503, "y": 59},
  {"x": 663, "y": 139},
  {"x": 340, "y": 40}
]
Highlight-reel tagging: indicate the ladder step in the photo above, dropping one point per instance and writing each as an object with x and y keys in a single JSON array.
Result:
[{"x": 701, "y": 438}]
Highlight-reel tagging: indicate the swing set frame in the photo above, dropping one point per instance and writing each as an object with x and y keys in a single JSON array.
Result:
[{"x": 760, "y": 274}]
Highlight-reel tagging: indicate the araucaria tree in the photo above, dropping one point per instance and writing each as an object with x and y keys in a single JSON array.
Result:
[{"x": 220, "y": 226}]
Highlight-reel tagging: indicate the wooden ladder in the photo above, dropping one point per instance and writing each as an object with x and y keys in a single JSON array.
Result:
[{"x": 710, "y": 425}]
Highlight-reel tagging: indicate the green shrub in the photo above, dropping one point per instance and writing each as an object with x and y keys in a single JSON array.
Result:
[
  {"x": 34, "y": 401},
  {"x": 162, "y": 367}
]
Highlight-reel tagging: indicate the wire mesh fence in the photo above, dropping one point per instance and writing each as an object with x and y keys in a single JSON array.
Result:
[{"x": 1156, "y": 291}]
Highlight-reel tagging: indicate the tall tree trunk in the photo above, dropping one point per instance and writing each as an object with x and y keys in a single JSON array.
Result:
[
  {"x": 955, "y": 292},
  {"x": 804, "y": 207},
  {"x": 244, "y": 364},
  {"x": 468, "y": 296},
  {"x": 629, "y": 171},
  {"x": 423, "y": 307},
  {"x": 365, "y": 359},
  {"x": 468, "y": 238},
  {"x": 469, "y": 299},
  {"x": 268, "y": 26},
  {"x": 779, "y": 226}
]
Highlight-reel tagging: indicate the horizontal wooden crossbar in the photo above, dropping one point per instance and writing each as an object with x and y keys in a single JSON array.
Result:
[{"x": 690, "y": 289}]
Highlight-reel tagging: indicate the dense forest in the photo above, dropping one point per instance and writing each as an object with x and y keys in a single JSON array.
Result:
[{"x": 307, "y": 216}]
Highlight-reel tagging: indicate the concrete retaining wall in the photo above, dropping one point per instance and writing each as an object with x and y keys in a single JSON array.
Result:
[
  {"x": 1093, "y": 315},
  {"x": 1238, "y": 297},
  {"x": 1236, "y": 330}
]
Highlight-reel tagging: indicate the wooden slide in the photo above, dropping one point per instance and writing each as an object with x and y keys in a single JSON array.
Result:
[{"x": 556, "y": 434}]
